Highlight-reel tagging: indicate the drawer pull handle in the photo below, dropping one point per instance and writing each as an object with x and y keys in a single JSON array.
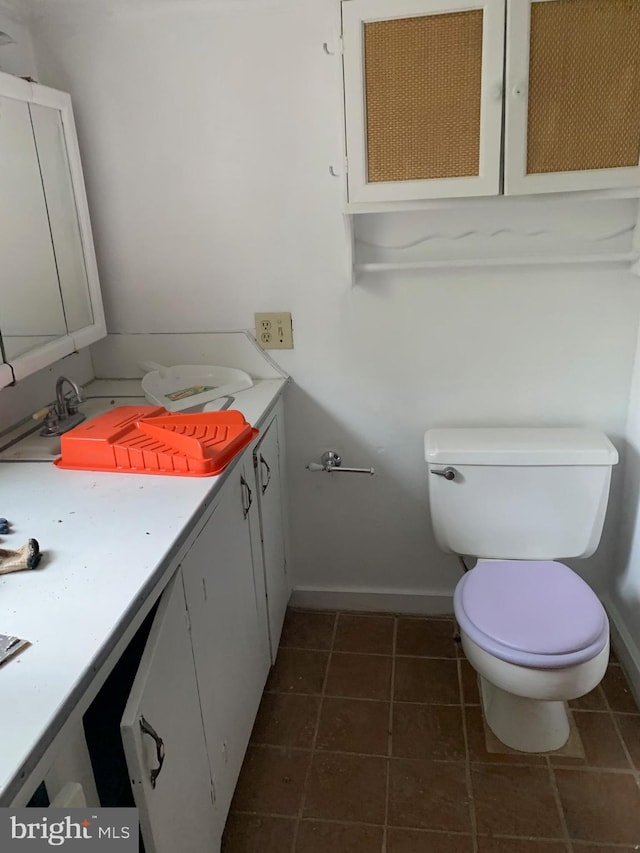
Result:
[
  {"x": 264, "y": 462},
  {"x": 247, "y": 490},
  {"x": 148, "y": 729}
]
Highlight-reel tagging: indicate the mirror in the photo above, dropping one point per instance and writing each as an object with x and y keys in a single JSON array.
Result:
[
  {"x": 50, "y": 301},
  {"x": 31, "y": 311}
]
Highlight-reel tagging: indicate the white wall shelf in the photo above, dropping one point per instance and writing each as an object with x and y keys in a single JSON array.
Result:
[
  {"x": 470, "y": 263},
  {"x": 569, "y": 230}
]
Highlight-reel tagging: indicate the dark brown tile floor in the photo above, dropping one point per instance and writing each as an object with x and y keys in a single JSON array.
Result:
[{"x": 370, "y": 739}]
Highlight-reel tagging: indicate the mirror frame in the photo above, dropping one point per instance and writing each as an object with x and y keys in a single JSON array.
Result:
[{"x": 46, "y": 354}]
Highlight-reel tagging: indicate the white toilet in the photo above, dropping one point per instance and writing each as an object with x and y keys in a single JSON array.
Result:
[{"x": 519, "y": 500}]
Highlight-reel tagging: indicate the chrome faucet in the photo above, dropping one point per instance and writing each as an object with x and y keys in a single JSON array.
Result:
[
  {"x": 63, "y": 415},
  {"x": 67, "y": 404}
]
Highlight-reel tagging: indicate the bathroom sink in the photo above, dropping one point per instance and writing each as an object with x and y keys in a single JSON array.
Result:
[{"x": 25, "y": 444}]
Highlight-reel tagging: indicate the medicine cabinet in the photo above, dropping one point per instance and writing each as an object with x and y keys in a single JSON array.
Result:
[
  {"x": 427, "y": 102},
  {"x": 50, "y": 301}
]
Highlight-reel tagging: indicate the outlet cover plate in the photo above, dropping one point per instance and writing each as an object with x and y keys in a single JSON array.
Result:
[{"x": 274, "y": 330}]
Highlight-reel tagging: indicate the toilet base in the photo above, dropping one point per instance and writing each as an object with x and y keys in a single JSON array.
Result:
[
  {"x": 525, "y": 707},
  {"x": 528, "y": 725}
]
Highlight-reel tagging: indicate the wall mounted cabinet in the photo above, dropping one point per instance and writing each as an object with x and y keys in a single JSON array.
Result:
[
  {"x": 572, "y": 95},
  {"x": 425, "y": 97}
]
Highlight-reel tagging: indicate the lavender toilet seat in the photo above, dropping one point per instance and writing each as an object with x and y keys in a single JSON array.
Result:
[{"x": 533, "y": 613}]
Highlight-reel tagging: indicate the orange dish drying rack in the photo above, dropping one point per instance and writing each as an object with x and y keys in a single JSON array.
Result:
[{"x": 151, "y": 440}]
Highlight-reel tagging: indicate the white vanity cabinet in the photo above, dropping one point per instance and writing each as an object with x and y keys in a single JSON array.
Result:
[
  {"x": 227, "y": 616},
  {"x": 204, "y": 668},
  {"x": 164, "y": 741},
  {"x": 425, "y": 91},
  {"x": 268, "y": 463}
]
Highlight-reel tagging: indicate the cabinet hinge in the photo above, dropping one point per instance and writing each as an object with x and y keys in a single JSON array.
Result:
[
  {"x": 212, "y": 790},
  {"x": 187, "y": 620}
]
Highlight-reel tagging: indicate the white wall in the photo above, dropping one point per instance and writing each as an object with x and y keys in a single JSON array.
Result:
[
  {"x": 207, "y": 130},
  {"x": 624, "y": 592},
  {"x": 17, "y": 57}
]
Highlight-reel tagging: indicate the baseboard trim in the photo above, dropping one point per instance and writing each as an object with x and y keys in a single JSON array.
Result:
[
  {"x": 625, "y": 646},
  {"x": 377, "y": 601}
]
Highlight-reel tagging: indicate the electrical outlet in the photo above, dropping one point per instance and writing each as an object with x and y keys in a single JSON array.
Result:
[{"x": 274, "y": 330}]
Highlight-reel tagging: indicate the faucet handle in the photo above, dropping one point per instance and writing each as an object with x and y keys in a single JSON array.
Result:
[
  {"x": 51, "y": 419},
  {"x": 41, "y": 413}
]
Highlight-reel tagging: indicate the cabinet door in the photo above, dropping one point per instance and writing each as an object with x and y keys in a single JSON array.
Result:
[
  {"x": 270, "y": 502},
  {"x": 230, "y": 651},
  {"x": 423, "y": 97},
  {"x": 162, "y": 718},
  {"x": 573, "y": 95}
]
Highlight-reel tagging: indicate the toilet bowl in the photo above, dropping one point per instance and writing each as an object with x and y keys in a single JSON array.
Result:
[
  {"x": 520, "y": 499},
  {"x": 538, "y": 636}
]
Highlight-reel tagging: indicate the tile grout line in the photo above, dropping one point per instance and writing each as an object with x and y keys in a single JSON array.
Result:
[
  {"x": 377, "y": 614},
  {"x": 447, "y": 761},
  {"x": 368, "y": 699},
  {"x": 614, "y": 721},
  {"x": 556, "y": 795},
  {"x": 385, "y": 832},
  {"x": 429, "y": 832},
  {"x": 367, "y": 654},
  {"x": 315, "y": 734},
  {"x": 467, "y": 761},
  {"x": 612, "y": 715}
]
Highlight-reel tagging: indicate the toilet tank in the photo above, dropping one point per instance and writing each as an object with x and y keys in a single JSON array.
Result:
[{"x": 513, "y": 493}]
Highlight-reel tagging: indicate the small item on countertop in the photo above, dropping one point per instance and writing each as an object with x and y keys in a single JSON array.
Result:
[
  {"x": 186, "y": 385},
  {"x": 10, "y": 646},
  {"x": 189, "y": 392},
  {"x": 4, "y": 526},
  {"x": 26, "y": 557}
]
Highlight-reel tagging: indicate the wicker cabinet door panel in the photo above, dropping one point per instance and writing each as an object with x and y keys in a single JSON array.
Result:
[
  {"x": 577, "y": 116},
  {"x": 423, "y": 98},
  {"x": 422, "y": 86}
]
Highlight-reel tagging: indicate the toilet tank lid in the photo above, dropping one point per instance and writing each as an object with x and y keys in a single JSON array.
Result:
[{"x": 518, "y": 446}]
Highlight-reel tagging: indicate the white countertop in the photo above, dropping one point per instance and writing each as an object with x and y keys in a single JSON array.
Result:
[{"x": 107, "y": 541}]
